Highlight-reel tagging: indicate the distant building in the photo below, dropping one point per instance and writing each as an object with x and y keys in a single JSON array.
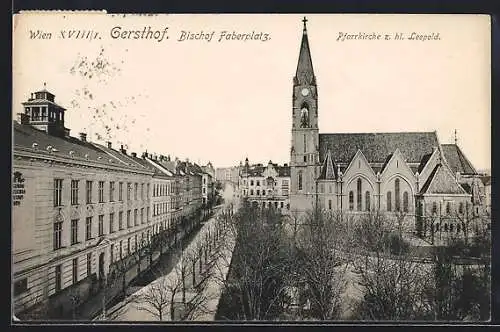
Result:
[
  {"x": 266, "y": 186},
  {"x": 227, "y": 174}
]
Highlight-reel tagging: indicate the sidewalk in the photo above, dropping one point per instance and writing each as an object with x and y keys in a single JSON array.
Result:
[{"x": 132, "y": 312}]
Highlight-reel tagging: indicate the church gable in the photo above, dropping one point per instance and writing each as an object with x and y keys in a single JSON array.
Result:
[
  {"x": 397, "y": 165},
  {"x": 428, "y": 166},
  {"x": 441, "y": 181},
  {"x": 359, "y": 165}
]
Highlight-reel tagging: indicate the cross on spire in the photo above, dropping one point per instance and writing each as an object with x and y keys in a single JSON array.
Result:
[
  {"x": 305, "y": 21},
  {"x": 456, "y": 138}
]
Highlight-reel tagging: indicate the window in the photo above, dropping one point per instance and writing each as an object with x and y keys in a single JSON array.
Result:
[
  {"x": 351, "y": 200},
  {"x": 74, "y": 192},
  {"x": 461, "y": 208},
  {"x": 147, "y": 191},
  {"x": 120, "y": 220},
  {"x": 128, "y": 246},
  {"x": 120, "y": 191},
  {"x": 74, "y": 231},
  {"x": 129, "y": 224},
  {"x": 397, "y": 198},
  {"x": 135, "y": 242},
  {"x": 282, "y": 204},
  {"x": 321, "y": 188},
  {"x": 448, "y": 207},
  {"x": 359, "y": 194},
  {"x": 142, "y": 191},
  {"x": 112, "y": 252},
  {"x": 58, "y": 192},
  {"x": 136, "y": 221},
  {"x": 367, "y": 201},
  {"x": 305, "y": 157},
  {"x": 135, "y": 191},
  {"x": 142, "y": 215},
  {"x": 258, "y": 192},
  {"x": 129, "y": 190},
  {"x": 434, "y": 208},
  {"x": 111, "y": 191},
  {"x": 101, "y": 225},
  {"x": 251, "y": 192},
  {"x": 89, "y": 192},
  {"x": 58, "y": 277},
  {"x": 111, "y": 223},
  {"x": 20, "y": 286},
  {"x": 88, "y": 228},
  {"x": 57, "y": 235},
  {"x": 251, "y": 182},
  {"x": 89, "y": 264},
  {"x": 329, "y": 204},
  {"x": 389, "y": 201},
  {"x": 405, "y": 201},
  {"x": 300, "y": 180},
  {"x": 101, "y": 191},
  {"x": 258, "y": 183},
  {"x": 75, "y": 270}
]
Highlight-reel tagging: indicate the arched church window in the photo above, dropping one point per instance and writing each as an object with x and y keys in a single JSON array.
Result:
[
  {"x": 359, "y": 194},
  {"x": 304, "y": 116},
  {"x": 389, "y": 201},
  {"x": 461, "y": 208},
  {"x": 397, "y": 199},
  {"x": 300, "y": 180},
  {"x": 405, "y": 201},
  {"x": 351, "y": 200},
  {"x": 367, "y": 201}
]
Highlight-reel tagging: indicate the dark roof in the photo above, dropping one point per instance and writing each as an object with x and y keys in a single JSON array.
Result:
[
  {"x": 40, "y": 102},
  {"x": 26, "y": 135},
  {"x": 440, "y": 181},
  {"x": 328, "y": 169},
  {"x": 258, "y": 170},
  {"x": 283, "y": 171},
  {"x": 376, "y": 147},
  {"x": 457, "y": 160},
  {"x": 123, "y": 158},
  {"x": 423, "y": 162}
]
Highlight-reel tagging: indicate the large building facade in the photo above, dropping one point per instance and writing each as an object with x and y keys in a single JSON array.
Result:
[
  {"x": 79, "y": 208},
  {"x": 404, "y": 174},
  {"x": 265, "y": 186}
]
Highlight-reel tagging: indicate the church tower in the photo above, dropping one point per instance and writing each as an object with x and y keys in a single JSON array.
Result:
[{"x": 304, "y": 156}]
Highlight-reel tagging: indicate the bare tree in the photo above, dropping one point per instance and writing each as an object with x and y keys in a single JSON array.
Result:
[{"x": 321, "y": 266}]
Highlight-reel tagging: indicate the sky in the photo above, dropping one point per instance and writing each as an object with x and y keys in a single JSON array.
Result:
[{"x": 223, "y": 101}]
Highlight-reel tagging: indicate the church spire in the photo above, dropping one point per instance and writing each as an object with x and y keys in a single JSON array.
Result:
[
  {"x": 328, "y": 168},
  {"x": 305, "y": 72}
]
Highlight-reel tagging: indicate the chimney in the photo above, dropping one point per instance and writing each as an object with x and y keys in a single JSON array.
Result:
[
  {"x": 144, "y": 155},
  {"x": 286, "y": 165},
  {"x": 122, "y": 150},
  {"x": 83, "y": 137},
  {"x": 134, "y": 154},
  {"x": 23, "y": 118},
  {"x": 109, "y": 144}
]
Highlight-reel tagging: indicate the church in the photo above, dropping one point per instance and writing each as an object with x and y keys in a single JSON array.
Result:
[{"x": 400, "y": 173}]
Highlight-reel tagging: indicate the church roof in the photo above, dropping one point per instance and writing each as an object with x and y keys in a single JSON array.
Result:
[
  {"x": 328, "y": 171},
  {"x": 441, "y": 181},
  {"x": 457, "y": 160},
  {"x": 377, "y": 147}
]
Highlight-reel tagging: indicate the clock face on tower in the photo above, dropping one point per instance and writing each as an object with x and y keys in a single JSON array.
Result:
[{"x": 305, "y": 91}]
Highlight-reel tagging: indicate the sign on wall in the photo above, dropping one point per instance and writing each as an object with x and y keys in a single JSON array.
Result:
[{"x": 18, "y": 190}]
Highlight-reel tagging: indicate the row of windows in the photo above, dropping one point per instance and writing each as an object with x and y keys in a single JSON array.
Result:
[
  {"x": 162, "y": 189},
  {"x": 58, "y": 226},
  {"x": 75, "y": 186},
  {"x": 160, "y": 208},
  {"x": 448, "y": 208},
  {"x": 284, "y": 183},
  {"x": 269, "y": 204},
  {"x": 58, "y": 268}
]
